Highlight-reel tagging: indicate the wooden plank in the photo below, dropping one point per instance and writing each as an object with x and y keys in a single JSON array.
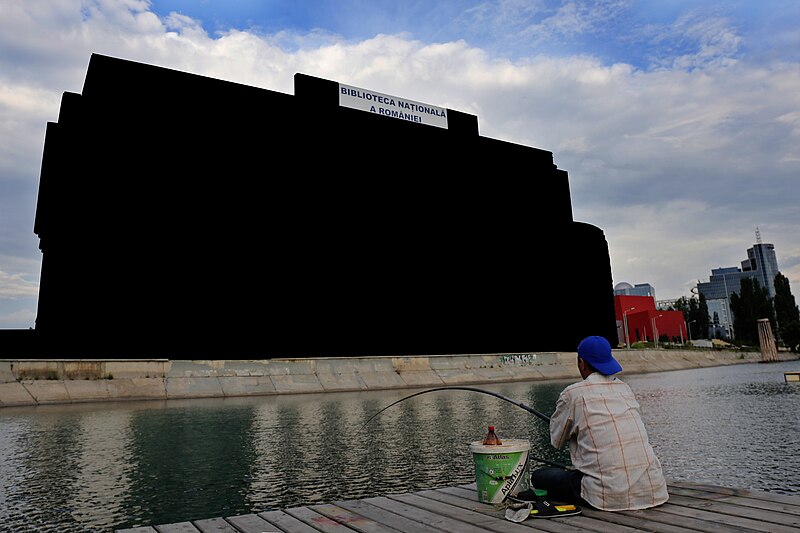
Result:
[
  {"x": 692, "y": 507},
  {"x": 744, "y": 501},
  {"x": 722, "y": 519},
  {"x": 746, "y": 493},
  {"x": 397, "y": 522},
  {"x": 636, "y": 521},
  {"x": 456, "y": 498},
  {"x": 772, "y": 522},
  {"x": 484, "y": 521},
  {"x": 286, "y": 522},
  {"x": 467, "y": 494},
  {"x": 443, "y": 523},
  {"x": 561, "y": 525},
  {"x": 319, "y": 521},
  {"x": 668, "y": 514},
  {"x": 580, "y": 522},
  {"x": 177, "y": 527},
  {"x": 746, "y": 508},
  {"x": 252, "y": 523},
  {"x": 214, "y": 525},
  {"x": 357, "y": 522},
  {"x": 650, "y": 519}
]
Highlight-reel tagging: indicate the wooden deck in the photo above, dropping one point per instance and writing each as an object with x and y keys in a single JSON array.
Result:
[{"x": 691, "y": 507}]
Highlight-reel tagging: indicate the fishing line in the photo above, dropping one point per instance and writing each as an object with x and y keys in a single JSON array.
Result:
[
  {"x": 473, "y": 389},
  {"x": 528, "y": 408}
]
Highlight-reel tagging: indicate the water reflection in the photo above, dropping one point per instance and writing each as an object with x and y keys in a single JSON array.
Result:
[
  {"x": 101, "y": 467},
  {"x": 731, "y": 427},
  {"x": 95, "y": 467},
  {"x": 195, "y": 458}
]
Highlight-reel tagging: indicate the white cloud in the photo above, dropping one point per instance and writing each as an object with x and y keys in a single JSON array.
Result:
[
  {"x": 677, "y": 165},
  {"x": 15, "y": 285}
]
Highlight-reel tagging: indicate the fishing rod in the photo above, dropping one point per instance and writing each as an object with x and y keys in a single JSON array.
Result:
[
  {"x": 528, "y": 408},
  {"x": 473, "y": 389}
]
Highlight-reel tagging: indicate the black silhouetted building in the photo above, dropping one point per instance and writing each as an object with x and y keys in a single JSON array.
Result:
[{"x": 180, "y": 215}]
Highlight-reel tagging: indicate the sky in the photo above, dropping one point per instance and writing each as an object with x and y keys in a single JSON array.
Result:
[{"x": 678, "y": 121}]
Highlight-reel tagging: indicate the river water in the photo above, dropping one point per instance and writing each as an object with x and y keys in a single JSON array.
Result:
[{"x": 98, "y": 467}]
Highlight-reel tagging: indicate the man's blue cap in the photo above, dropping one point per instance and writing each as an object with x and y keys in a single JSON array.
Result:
[{"x": 597, "y": 352}]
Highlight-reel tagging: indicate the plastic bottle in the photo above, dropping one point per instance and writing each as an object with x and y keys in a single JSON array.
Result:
[{"x": 491, "y": 438}]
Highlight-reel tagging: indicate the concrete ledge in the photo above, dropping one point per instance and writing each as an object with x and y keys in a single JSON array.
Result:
[
  {"x": 33, "y": 382},
  {"x": 296, "y": 383},
  {"x": 15, "y": 394},
  {"x": 246, "y": 385},
  {"x": 136, "y": 369},
  {"x": 83, "y": 390},
  {"x": 194, "y": 387},
  {"x": 342, "y": 382},
  {"x": 287, "y": 367},
  {"x": 137, "y": 389},
  {"x": 421, "y": 378},
  {"x": 49, "y": 391},
  {"x": 6, "y": 372}
]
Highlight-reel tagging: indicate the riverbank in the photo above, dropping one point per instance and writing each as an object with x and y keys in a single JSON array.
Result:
[{"x": 25, "y": 382}]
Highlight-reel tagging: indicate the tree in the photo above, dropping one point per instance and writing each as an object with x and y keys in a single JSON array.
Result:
[
  {"x": 702, "y": 314},
  {"x": 751, "y": 304},
  {"x": 786, "y": 313},
  {"x": 681, "y": 304},
  {"x": 695, "y": 312}
]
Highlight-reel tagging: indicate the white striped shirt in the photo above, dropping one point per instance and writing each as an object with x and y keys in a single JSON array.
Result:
[{"x": 599, "y": 417}]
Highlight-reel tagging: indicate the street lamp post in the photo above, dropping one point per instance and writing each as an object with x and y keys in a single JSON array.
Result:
[
  {"x": 689, "y": 328},
  {"x": 625, "y": 323},
  {"x": 655, "y": 333}
]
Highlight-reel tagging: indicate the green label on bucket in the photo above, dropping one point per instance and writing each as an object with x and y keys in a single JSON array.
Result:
[{"x": 500, "y": 470}]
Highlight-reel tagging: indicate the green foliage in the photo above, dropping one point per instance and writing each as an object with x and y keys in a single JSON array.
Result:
[
  {"x": 787, "y": 313},
  {"x": 695, "y": 312},
  {"x": 751, "y": 304},
  {"x": 703, "y": 321}
]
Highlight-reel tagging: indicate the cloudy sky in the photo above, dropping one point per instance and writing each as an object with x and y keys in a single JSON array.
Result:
[{"x": 677, "y": 120}]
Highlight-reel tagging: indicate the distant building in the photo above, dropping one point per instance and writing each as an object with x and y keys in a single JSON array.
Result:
[
  {"x": 761, "y": 265},
  {"x": 666, "y": 305},
  {"x": 639, "y": 320},
  {"x": 640, "y": 289}
]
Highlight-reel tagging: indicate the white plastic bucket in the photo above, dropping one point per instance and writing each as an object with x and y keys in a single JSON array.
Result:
[{"x": 500, "y": 471}]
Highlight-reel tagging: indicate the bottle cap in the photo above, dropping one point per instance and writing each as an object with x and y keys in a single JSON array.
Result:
[{"x": 491, "y": 428}]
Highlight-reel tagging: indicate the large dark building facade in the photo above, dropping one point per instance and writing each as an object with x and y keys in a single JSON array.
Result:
[{"x": 180, "y": 215}]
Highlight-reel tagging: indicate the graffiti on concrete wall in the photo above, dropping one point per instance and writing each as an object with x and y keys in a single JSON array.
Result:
[{"x": 518, "y": 359}]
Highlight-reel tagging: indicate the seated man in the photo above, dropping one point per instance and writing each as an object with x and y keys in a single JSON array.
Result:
[{"x": 615, "y": 466}]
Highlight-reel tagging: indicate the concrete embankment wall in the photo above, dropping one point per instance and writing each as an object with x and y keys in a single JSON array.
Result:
[{"x": 35, "y": 382}]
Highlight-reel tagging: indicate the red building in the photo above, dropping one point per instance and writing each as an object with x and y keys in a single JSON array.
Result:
[{"x": 639, "y": 320}]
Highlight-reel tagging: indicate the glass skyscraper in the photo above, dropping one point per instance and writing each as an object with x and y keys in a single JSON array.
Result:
[{"x": 761, "y": 264}]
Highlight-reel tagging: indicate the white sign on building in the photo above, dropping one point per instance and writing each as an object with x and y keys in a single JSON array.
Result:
[{"x": 391, "y": 106}]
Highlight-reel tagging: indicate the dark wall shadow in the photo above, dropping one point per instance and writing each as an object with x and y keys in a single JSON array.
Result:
[{"x": 183, "y": 216}]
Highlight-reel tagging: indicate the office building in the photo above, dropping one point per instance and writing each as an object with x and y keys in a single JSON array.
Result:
[
  {"x": 760, "y": 265},
  {"x": 640, "y": 289}
]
